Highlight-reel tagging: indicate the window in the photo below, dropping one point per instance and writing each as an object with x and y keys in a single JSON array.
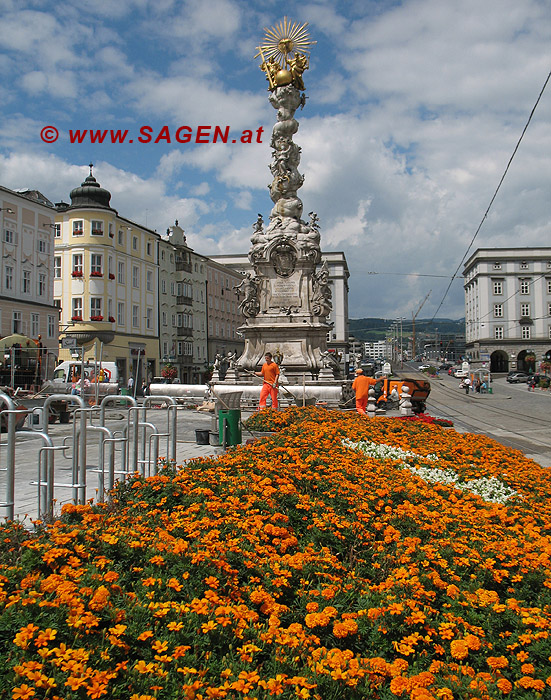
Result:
[
  {"x": 135, "y": 277},
  {"x": 498, "y": 333},
  {"x": 8, "y": 276},
  {"x": 41, "y": 287},
  {"x": 76, "y": 308},
  {"x": 26, "y": 282},
  {"x": 497, "y": 266},
  {"x": 57, "y": 230},
  {"x": 525, "y": 286},
  {"x": 498, "y": 287},
  {"x": 120, "y": 273},
  {"x": 77, "y": 264},
  {"x": 110, "y": 267},
  {"x": 51, "y": 326},
  {"x": 523, "y": 265},
  {"x": 96, "y": 264},
  {"x": 97, "y": 228},
  {"x": 548, "y": 282},
  {"x": 149, "y": 247},
  {"x": 35, "y": 322},
  {"x": 135, "y": 316},
  {"x": 149, "y": 283},
  {"x": 525, "y": 332},
  {"x": 57, "y": 267},
  {"x": 135, "y": 243},
  {"x": 43, "y": 246},
  {"x": 111, "y": 233},
  {"x": 78, "y": 228},
  {"x": 163, "y": 286},
  {"x": 549, "y": 309},
  {"x": 180, "y": 348},
  {"x": 120, "y": 313},
  {"x": 525, "y": 309},
  {"x": 95, "y": 309},
  {"x": 16, "y": 324},
  {"x": 9, "y": 236},
  {"x": 149, "y": 318},
  {"x": 164, "y": 319},
  {"x": 109, "y": 309},
  {"x": 120, "y": 238}
]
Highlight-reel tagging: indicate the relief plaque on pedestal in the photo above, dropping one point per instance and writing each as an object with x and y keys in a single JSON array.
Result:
[{"x": 284, "y": 292}]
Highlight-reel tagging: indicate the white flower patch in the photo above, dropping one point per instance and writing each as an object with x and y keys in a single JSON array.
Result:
[
  {"x": 490, "y": 489},
  {"x": 381, "y": 451}
]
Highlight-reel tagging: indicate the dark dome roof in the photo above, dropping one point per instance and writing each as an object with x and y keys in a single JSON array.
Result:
[{"x": 90, "y": 194}]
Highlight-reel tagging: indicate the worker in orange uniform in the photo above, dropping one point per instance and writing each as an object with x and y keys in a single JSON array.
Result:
[
  {"x": 361, "y": 388},
  {"x": 270, "y": 374}
]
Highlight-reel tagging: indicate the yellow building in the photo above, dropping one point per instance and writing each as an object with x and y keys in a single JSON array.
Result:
[{"x": 106, "y": 281}]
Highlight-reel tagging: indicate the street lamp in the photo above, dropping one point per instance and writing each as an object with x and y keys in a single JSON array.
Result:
[{"x": 10, "y": 211}]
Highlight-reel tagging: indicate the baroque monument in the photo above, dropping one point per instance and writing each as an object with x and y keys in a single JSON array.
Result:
[{"x": 286, "y": 300}]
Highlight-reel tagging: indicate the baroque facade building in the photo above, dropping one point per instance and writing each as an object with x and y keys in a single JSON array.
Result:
[
  {"x": 182, "y": 307},
  {"x": 508, "y": 307},
  {"x": 223, "y": 313},
  {"x": 106, "y": 282},
  {"x": 26, "y": 280}
]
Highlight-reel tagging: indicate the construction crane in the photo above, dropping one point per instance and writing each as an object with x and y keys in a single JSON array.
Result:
[{"x": 413, "y": 317}]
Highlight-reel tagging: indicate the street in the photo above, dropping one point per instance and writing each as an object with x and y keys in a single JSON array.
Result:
[{"x": 512, "y": 415}]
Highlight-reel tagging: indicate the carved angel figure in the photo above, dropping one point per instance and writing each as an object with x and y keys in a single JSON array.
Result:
[
  {"x": 321, "y": 297},
  {"x": 249, "y": 288}
]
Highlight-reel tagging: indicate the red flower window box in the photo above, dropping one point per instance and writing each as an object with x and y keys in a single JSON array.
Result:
[
  {"x": 111, "y": 319},
  {"x": 96, "y": 273},
  {"x": 111, "y": 276},
  {"x": 76, "y": 318},
  {"x": 77, "y": 273},
  {"x": 96, "y": 318},
  {"x": 97, "y": 232}
]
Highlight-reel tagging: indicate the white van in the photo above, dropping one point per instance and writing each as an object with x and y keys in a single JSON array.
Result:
[{"x": 67, "y": 373}]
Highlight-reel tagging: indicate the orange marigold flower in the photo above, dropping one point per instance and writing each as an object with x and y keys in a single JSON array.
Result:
[
  {"x": 459, "y": 649},
  {"x": 472, "y": 641},
  {"x": 23, "y": 692},
  {"x": 527, "y": 668},
  {"x": 399, "y": 685},
  {"x": 504, "y": 685},
  {"x": 497, "y": 662},
  {"x": 312, "y": 607},
  {"x": 145, "y": 635}
]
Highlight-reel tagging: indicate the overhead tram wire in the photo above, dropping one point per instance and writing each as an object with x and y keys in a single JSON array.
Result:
[{"x": 494, "y": 196}]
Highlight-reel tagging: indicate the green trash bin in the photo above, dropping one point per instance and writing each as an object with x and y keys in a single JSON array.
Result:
[
  {"x": 232, "y": 418},
  {"x": 490, "y": 390},
  {"x": 124, "y": 392}
]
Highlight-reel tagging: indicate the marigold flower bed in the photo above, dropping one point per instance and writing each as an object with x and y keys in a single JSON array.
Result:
[{"x": 297, "y": 566}]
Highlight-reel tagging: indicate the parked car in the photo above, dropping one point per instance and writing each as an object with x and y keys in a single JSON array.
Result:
[
  {"x": 460, "y": 374},
  {"x": 517, "y": 377},
  {"x": 422, "y": 367}
]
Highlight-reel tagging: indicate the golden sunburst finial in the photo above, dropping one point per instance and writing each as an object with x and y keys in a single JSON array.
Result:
[{"x": 285, "y": 53}]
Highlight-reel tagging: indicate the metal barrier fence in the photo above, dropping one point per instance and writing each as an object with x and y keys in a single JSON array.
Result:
[{"x": 138, "y": 443}]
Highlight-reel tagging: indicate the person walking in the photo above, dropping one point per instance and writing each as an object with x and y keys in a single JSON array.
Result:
[
  {"x": 361, "y": 385},
  {"x": 130, "y": 386},
  {"x": 270, "y": 374},
  {"x": 467, "y": 384}
]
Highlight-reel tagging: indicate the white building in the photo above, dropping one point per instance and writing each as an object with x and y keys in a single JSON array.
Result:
[
  {"x": 508, "y": 307},
  {"x": 377, "y": 350},
  {"x": 27, "y": 275}
]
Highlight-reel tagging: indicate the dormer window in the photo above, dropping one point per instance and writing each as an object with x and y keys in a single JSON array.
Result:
[
  {"x": 523, "y": 265},
  {"x": 497, "y": 266}
]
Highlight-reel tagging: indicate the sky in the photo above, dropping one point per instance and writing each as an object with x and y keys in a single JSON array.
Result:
[{"x": 414, "y": 109}]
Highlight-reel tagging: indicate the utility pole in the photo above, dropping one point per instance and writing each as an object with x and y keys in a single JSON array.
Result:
[{"x": 413, "y": 317}]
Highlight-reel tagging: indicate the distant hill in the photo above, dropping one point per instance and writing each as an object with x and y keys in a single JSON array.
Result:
[{"x": 373, "y": 329}]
